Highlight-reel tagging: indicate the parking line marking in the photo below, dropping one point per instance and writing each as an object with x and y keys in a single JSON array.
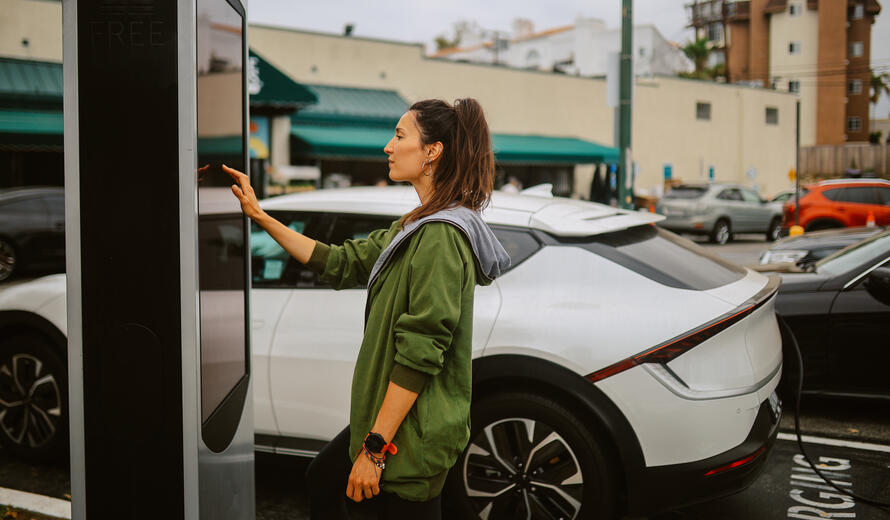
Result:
[
  {"x": 835, "y": 442},
  {"x": 35, "y": 503}
]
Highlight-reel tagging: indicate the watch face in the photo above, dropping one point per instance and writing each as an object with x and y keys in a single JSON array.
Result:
[{"x": 374, "y": 443}]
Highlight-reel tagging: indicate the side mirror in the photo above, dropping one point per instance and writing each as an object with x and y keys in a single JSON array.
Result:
[{"x": 878, "y": 284}]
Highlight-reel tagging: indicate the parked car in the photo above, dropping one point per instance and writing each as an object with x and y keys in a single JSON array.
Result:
[
  {"x": 839, "y": 310},
  {"x": 841, "y": 203},
  {"x": 591, "y": 395},
  {"x": 32, "y": 229},
  {"x": 719, "y": 211},
  {"x": 807, "y": 249}
]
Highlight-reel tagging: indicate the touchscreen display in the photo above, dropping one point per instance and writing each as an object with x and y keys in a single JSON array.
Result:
[{"x": 221, "y": 225}]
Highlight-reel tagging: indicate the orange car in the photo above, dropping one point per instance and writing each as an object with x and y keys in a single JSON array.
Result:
[{"x": 841, "y": 203}]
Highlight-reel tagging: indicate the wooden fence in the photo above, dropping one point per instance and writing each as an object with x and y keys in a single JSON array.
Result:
[{"x": 820, "y": 162}]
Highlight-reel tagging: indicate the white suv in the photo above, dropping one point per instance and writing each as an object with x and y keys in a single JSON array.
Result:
[{"x": 618, "y": 369}]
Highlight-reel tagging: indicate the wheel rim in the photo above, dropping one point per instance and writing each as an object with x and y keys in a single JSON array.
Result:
[
  {"x": 7, "y": 260},
  {"x": 30, "y": 401},
  {"x": 774, "y": 232},
  {"x": 722, "y": 233},
  {"x": 523, "y": 469}
]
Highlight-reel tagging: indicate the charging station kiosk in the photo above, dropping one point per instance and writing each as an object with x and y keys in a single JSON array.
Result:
[{"x": 161, "y": 416}]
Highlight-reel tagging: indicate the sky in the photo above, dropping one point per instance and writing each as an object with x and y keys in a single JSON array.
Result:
[{"x": 420, "y": 21}]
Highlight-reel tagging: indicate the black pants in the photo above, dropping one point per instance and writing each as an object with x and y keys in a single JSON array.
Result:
[{"x": 327, "y": 477}]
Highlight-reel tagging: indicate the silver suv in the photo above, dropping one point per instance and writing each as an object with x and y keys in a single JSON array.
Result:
[{"x": 719, "y": 210}]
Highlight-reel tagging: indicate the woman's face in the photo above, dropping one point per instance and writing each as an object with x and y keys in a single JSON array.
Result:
[{"x": 407, "y": 154}]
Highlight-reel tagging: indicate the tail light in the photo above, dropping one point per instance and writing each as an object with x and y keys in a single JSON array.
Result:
[{"x": 740, "y": 462}]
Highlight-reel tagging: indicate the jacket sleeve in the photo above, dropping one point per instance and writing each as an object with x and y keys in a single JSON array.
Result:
[
  {"x": 424, "y": 332},
  {"x": 348, "y": 265}
]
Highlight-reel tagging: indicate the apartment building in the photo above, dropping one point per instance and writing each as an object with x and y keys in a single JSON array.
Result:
[{"x": 818, "y": 49}]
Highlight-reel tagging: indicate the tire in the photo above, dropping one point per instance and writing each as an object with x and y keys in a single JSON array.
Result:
[
  {"x": 722, "y": 232},
  {"x": 820, "y": 224},
  {"x": 774, "y": 230},
  {"x": 564, "y": 455},
  {"x": 8, "y": 259},
  {"x": 33, "y": 399}
]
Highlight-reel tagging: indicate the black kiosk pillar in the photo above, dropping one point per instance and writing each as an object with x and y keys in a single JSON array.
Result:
[{"x": 157, "y": 259}]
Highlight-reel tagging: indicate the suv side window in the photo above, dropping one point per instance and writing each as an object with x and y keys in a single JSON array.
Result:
[
  {"x": 271, "y": 265},
  {"x": 860, "y": 195},
  {"x": 351, "y": 227},
  {"x": 884, "y": 196},
  {"x": 750, "y": 196},
  {"x": 833, "y": 194},
  {"x": 730, "y": 194}
]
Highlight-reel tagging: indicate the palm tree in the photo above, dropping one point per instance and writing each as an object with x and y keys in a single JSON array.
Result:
[
  {"x": 880, "y": 84},
  {"x": 698, "y": 52}
]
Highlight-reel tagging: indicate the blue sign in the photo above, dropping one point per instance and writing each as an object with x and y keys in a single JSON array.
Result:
[
  {"x": 711, "y": 173},
  {"x": 668, "y": 171}
]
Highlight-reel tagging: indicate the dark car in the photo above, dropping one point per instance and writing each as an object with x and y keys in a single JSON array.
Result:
[
  {"x": 32, "y": 230},
  {"x": 809, "y": 248},
  {"x": 839, "y": 311}
]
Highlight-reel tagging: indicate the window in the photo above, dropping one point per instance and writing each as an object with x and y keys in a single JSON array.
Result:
[
  {"x": 30, "y": 207},
  {"x": 772, "y": 115},
  {"x": 519, "y": 244},
  {"x": 271, "y": 265},
  {"x": 858, "y": 12},
  {"x": 854, "y": 86},
  {"x": 715, "y": 32},
  {"x": 665, "y": 258},
  {"x": 794, "y": 86},
  {"x": 856, "y": 49},
  {"x": 750, "y": 196},
  {"x": 642, "y": 52},
  {"x": 795, "y": 10},
  {"x": 856, "y": 195},
  {"x": 730, "y": 194},
  {"x": 686, "y": 192},
  {"x": 703, "y": 111},
  {"x": 793, "y": 47},
  {"x": 833, "y": 194},
  {"x": 884, "y": 196},
  {"x": 532, "y": 59},
  {"x": 854, "y": 124}
]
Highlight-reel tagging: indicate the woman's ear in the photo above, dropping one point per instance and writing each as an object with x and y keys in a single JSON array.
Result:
[{"x": 434, "y": 152}]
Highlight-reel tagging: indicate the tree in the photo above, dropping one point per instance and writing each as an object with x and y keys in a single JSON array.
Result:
[
  {"x": 880, "y": 84},
  {"x": 459, "y": 31},
  {"x": 698, "y": 51}
]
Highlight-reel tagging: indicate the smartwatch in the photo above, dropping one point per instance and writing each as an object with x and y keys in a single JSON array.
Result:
[{"x": 374, "y": 442}]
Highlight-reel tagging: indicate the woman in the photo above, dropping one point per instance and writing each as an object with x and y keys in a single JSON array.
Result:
[{"x": 410, "y": 407}]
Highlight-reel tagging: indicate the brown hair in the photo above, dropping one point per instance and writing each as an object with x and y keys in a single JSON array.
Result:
[{"x": 465, "y": 173}]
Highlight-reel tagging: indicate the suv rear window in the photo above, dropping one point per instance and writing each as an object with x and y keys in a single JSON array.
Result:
[
  {"x": 665, "y": 258},
  {"x": 686, "y": 192}
]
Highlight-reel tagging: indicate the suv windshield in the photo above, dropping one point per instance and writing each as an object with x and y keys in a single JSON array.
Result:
[
  {"x": 686, "y": 192},
  {"x": 854, "y": 256}
]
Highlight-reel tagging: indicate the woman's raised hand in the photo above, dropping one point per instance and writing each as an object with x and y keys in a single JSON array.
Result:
[{"x": 244, "y": 191}]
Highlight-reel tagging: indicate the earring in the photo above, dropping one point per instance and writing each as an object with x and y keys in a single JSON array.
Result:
[{"x": 430, "y": 172}]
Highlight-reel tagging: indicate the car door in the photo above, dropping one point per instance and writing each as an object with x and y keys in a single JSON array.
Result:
[
  {"x": 316, "y": 344},
  {"x": 882, "y": 213},
  {"x": 859, "y": 353},
  {"x": 758, "y": 213},
  {"x": 731, "y": 204},
  {"x": 275, "y": 277}
]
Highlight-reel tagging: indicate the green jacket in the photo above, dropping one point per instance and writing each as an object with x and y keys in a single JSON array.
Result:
[{"x": 418, "y": 334}]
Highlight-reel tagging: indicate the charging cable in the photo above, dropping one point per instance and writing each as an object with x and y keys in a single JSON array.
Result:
[{"x": 865, "y": 500}]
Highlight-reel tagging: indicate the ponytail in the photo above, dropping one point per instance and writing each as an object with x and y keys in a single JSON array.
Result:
[{"x": 465, "y": 173}]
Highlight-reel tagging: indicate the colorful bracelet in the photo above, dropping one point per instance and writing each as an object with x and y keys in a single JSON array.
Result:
[{"x": 378, "y": 461}]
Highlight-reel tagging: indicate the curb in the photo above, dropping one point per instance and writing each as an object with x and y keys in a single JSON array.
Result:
[{"x": 44, "y": 505}]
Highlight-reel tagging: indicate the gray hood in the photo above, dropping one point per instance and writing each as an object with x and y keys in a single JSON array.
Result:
[{"x": 491, "y": 258}]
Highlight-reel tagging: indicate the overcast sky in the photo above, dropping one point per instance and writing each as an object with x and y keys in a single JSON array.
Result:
[{"x": 422, "y": 20}]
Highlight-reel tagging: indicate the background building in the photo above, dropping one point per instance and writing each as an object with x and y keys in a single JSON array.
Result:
[
  {"x": 819, "y": 50},
  {"x": 579, "y": 49}
]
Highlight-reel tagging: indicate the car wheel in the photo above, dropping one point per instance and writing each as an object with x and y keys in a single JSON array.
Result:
[
  {"x": 774, "y": 230},
  {"x": 33, "y": 399},
  {"x": 530, "y": 457},
  {"x": 722, "y": 232},
  {"x": 7, "y": 259}
]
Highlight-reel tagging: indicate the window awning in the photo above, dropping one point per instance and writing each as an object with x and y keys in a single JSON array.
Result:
[
  {"x": 510, "y": 148},
  {"x": 355, "y": 141},
  {"x": 31, "y": 130},
  {"x": 269, "y": 87}
]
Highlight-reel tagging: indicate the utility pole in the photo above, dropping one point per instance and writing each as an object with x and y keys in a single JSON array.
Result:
[{"x": 625, "y": 167}]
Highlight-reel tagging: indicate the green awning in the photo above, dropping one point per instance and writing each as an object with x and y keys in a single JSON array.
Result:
[
  {"x": 31, "y": 84},
  {"x": 543, "y": 149},
  {"x": 31, "y": 122},
  {"x": 271, "y": 87},
  {"x": 222, "y": 145},
  {"x": 340, "y": 140},
  {"x": 352, "y": 106}
]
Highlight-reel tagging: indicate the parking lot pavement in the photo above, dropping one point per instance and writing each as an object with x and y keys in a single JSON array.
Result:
[{"x": 743, "y": 249}]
